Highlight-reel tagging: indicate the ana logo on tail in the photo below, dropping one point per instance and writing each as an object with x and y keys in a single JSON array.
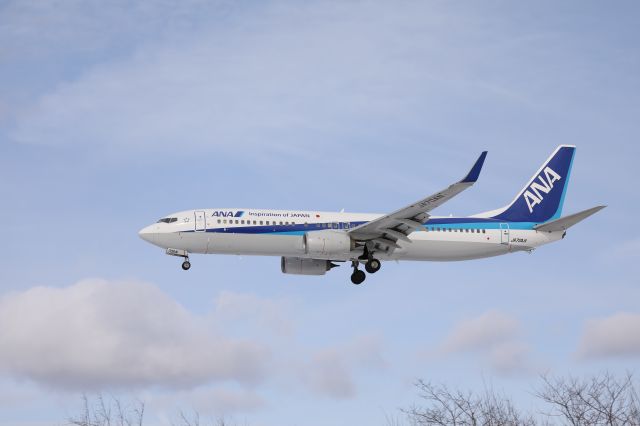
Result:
[{"x": 533, "y": 195}]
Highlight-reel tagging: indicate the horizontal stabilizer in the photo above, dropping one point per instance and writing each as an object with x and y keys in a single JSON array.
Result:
[{"x": 566, "y": 222}]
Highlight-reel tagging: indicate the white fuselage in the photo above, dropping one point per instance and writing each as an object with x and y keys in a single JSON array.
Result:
[{"x": 280, "y": 233}]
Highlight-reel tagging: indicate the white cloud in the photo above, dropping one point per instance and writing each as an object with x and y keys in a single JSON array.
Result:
[
  {"x": 330, "y": 370},
  {"x": 325, "y": 71},
  {"x": 97, "y": 334},
  {"x": 269, "y": 314},
  {"x": 129, "y": 335},
  {"x": 495, "y": 337},
  {"x": 481, "y": 332},
  {"x": 38, "y": 29},
  {"x": 328, "y": 374},
  {"x": 207, "y": 401},
  {"x": 511, "y": 357},
  {"x": 615, "y": 336}
]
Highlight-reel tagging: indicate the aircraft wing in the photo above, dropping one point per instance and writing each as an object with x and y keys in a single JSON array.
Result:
[{"x": 385, "y": 231}]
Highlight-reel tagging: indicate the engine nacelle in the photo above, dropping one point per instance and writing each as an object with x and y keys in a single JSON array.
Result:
[
  {"x": 302, "y": 266},
  {"x": 327, "y": 244}
]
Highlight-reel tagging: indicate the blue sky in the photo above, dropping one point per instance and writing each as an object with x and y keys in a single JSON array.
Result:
[{"x": 114, "y": 115}]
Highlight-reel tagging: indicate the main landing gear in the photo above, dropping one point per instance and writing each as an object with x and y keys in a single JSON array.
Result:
[
  {"x": 358, "y": 276},
  {"x": 372, "y": 266}
]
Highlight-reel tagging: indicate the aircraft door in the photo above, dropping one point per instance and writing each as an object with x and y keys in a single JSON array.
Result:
[
  {"x": 504, "y": 233},
  {"x": 200, "y": 221}
]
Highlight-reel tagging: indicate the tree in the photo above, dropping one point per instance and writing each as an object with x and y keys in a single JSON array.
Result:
[
  {"x": 601, "y": 400},
  {"x": 109, "y": 412},
  {"x": 194, "y": 420},
  {"x": 456, "y": 408}
]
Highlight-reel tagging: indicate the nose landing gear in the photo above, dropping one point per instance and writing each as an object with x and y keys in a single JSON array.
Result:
[{"x": 180, "y": 253}]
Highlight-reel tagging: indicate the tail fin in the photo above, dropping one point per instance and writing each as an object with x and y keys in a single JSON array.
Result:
[{"x": 542, "y": 198}]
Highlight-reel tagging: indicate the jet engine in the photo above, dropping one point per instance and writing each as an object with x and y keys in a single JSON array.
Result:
[
  {"x": 302, "y": 266},
  {"x": 327, "y": 244}
]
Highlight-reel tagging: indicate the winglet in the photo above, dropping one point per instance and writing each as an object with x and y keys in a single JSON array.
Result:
[{"x": 475, "y": 170}]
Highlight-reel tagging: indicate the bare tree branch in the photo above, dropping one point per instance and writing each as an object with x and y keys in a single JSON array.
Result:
[
  {"x": 108, "y": 412},
  {"x": 601, "y": 400}
]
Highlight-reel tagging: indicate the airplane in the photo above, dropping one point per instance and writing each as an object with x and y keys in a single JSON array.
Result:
[{"x": 311, "y": 242}]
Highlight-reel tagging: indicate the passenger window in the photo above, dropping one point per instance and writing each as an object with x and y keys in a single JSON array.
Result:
[
  {"x": 280, "y": 222},
  {"x": 224, "y": 221},
  {"x": 219, "y": 220},
  {"x": 261, "y": 223},
  {"x": 484, "y": 231},
  {"x": 236, "y": 221}
]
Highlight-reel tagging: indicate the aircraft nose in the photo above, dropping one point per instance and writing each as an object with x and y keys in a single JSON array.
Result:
[{"x": 148, "y": 233}]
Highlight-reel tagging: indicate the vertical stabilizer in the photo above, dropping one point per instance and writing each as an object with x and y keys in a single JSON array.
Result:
[{"x": 542, "y": 197}]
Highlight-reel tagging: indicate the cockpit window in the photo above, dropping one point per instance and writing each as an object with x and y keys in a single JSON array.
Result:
[{"x": 168, "y": 220}]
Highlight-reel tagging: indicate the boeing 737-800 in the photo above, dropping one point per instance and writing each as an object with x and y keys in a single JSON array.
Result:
[{"x": 310, "y": 242}]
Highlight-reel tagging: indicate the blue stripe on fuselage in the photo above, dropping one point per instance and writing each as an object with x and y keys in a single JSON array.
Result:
[{"x": 299, "y": 229}]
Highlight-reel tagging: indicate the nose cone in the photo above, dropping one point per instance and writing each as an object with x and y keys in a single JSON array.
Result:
[{"x": 148, "y": 234}]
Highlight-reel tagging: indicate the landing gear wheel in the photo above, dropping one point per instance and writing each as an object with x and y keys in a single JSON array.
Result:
[
  {"x": 372, "y": 266},
  {"x": 186, "y": 265},
  {"x": 358, "y": 277}
]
